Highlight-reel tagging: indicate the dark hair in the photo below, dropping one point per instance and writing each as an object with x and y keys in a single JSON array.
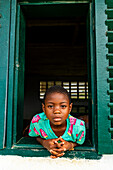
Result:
[{"x": 57, "y": 89}]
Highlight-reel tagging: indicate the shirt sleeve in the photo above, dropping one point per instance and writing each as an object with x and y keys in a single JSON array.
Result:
[
  {"x": 80, "y": 136},
  {"x": 34, "y": 127}
]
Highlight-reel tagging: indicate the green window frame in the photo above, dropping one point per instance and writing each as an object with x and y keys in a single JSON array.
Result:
[
  {"x": 12, "y": 68},
  {"x": 5, "y": 18}
]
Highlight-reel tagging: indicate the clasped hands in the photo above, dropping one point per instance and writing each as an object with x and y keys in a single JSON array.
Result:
[{"x": 57, "y": 147}]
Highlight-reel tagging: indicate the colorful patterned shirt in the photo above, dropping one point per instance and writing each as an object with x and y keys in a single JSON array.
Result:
[{"x": 75, "y": 130}]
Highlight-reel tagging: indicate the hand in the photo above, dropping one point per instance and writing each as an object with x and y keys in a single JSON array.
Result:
[
  {"x": 64, "y": 145},
  {"x": 56, "y": 147},
  {"x": 58, "y": 151},
  {"x": 51, "y": 145}
]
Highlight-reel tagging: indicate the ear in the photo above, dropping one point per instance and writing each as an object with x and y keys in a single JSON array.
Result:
[
  {"x": 43, "y": 107},
  {"x": 70, "y": 107}
]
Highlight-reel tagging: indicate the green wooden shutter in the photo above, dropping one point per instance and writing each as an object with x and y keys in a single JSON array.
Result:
[
  {"x": 4, "y": 54},
  {"x": 19, "y": 76},
  {"x": 11, "y": 74},
  {"x": 103, "y": 66},
  {"x": 109, "y": 33}
]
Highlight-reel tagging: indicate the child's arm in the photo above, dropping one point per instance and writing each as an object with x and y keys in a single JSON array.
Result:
[{"x": 48, "y": 144}]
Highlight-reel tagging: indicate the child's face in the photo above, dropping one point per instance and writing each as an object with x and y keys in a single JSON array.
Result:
[{"x": 57, "y": 108}]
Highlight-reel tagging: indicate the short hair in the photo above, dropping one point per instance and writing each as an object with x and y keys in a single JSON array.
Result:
[{"x": 57, "y": 89}]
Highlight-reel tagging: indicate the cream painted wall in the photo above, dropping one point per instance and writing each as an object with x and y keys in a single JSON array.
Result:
[{"x": 34, "y": 163}]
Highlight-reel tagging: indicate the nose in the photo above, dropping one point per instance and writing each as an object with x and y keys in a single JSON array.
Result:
[{"x": 57, "y": 110}]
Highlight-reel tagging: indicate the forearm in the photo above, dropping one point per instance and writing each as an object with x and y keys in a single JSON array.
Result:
[
  {"x": 48, "y": 144},
  {"x": 40, "y": 140},
  {"x": 73, "y": 144}
]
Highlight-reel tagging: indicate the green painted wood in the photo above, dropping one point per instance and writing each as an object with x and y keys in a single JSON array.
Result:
[
  {"x": 109, "y": 23},
  {"x": 111, "y": 130},
  {"x": 105, "y": 144},
  {"x": 32, "y": 148},
  {"x": 51, "y": 1},
  {"x": 109, "y": 13},
  {"x": 11, "y": 74},
  {"x": 110, "y": 36},
  {"x": 92, "y": 122},
  {"x": 45, "y": 153},
  {"x": 109, "y": 45},
  {"x": 19, "y": 77},
  {"x": 28, "y": 142},
  {"x": 110, "y": 91},
  {"x": 102, "y": 108},
  {"x": 110, "y": 116},
  {"x": 16, "y": 76},
  {"x": 109, "y": 3},
  {"x": 110, "y": 105},
  {"x": 53, "y": 10},
  {"x": 91, "y": 75},
  {"x": 4, "y": 54},
  {"x": 109, "y": 56},
  {"x": 89, "y": 70},
  {"x": 110, "y": 68}
]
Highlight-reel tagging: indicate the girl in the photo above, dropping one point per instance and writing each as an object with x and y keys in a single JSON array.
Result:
[{"x": 55, "y": 128}]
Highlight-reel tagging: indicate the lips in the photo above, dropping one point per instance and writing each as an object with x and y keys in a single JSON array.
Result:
[{"x": 57, "y": 119}]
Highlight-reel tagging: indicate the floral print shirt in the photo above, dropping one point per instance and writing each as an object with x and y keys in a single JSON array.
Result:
[{"x": 75, "y": 130}]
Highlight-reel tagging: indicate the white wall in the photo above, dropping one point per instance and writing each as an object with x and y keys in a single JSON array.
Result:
[{"x": 34, "y": 163}]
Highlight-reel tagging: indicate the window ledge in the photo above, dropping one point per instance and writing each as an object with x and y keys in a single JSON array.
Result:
[{"x": 29, "y": 146}]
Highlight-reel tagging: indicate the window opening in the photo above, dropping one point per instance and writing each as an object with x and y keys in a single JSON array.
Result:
[
  {"x": 55, "y": 54},
  {"x": 77, "y": 90}
]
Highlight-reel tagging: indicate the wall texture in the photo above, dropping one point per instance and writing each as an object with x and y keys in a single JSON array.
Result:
[{"x": 16, "y": 162}]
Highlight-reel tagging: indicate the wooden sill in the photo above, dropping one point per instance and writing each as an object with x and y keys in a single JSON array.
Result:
[{"x": 31, "y": 143}]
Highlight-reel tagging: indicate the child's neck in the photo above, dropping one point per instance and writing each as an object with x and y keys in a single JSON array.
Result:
[{"x": 59, "y": 129}]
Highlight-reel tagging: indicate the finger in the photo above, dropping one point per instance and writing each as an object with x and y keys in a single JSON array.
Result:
[
  {"x": 59, "y": 145},
  {"x": 53, "y": 156},
  {"x": 60, "y": 150},
  {"x": 58, "y": 142},
  {"x": 52, "y": 146},
  {"x": 59, "y": 139},
  {"x": 53, "y": 152},
  {"x": 59, "y": 155},
  {"x": 56, "y": 153},
  {"x": 50, "y": 150},
  {"x": 55, "y": 142},
  {"x": 62, "y": 154}
]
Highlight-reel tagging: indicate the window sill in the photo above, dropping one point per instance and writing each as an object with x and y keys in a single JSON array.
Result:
[
  {"x": 30, "y": 142},
  {"x": 28, "y": 147}
]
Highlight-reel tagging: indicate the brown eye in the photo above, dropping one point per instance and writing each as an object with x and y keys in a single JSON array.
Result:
[
  {"x": 63, "y": 106},
  {"x": 50, "y": 106}
]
